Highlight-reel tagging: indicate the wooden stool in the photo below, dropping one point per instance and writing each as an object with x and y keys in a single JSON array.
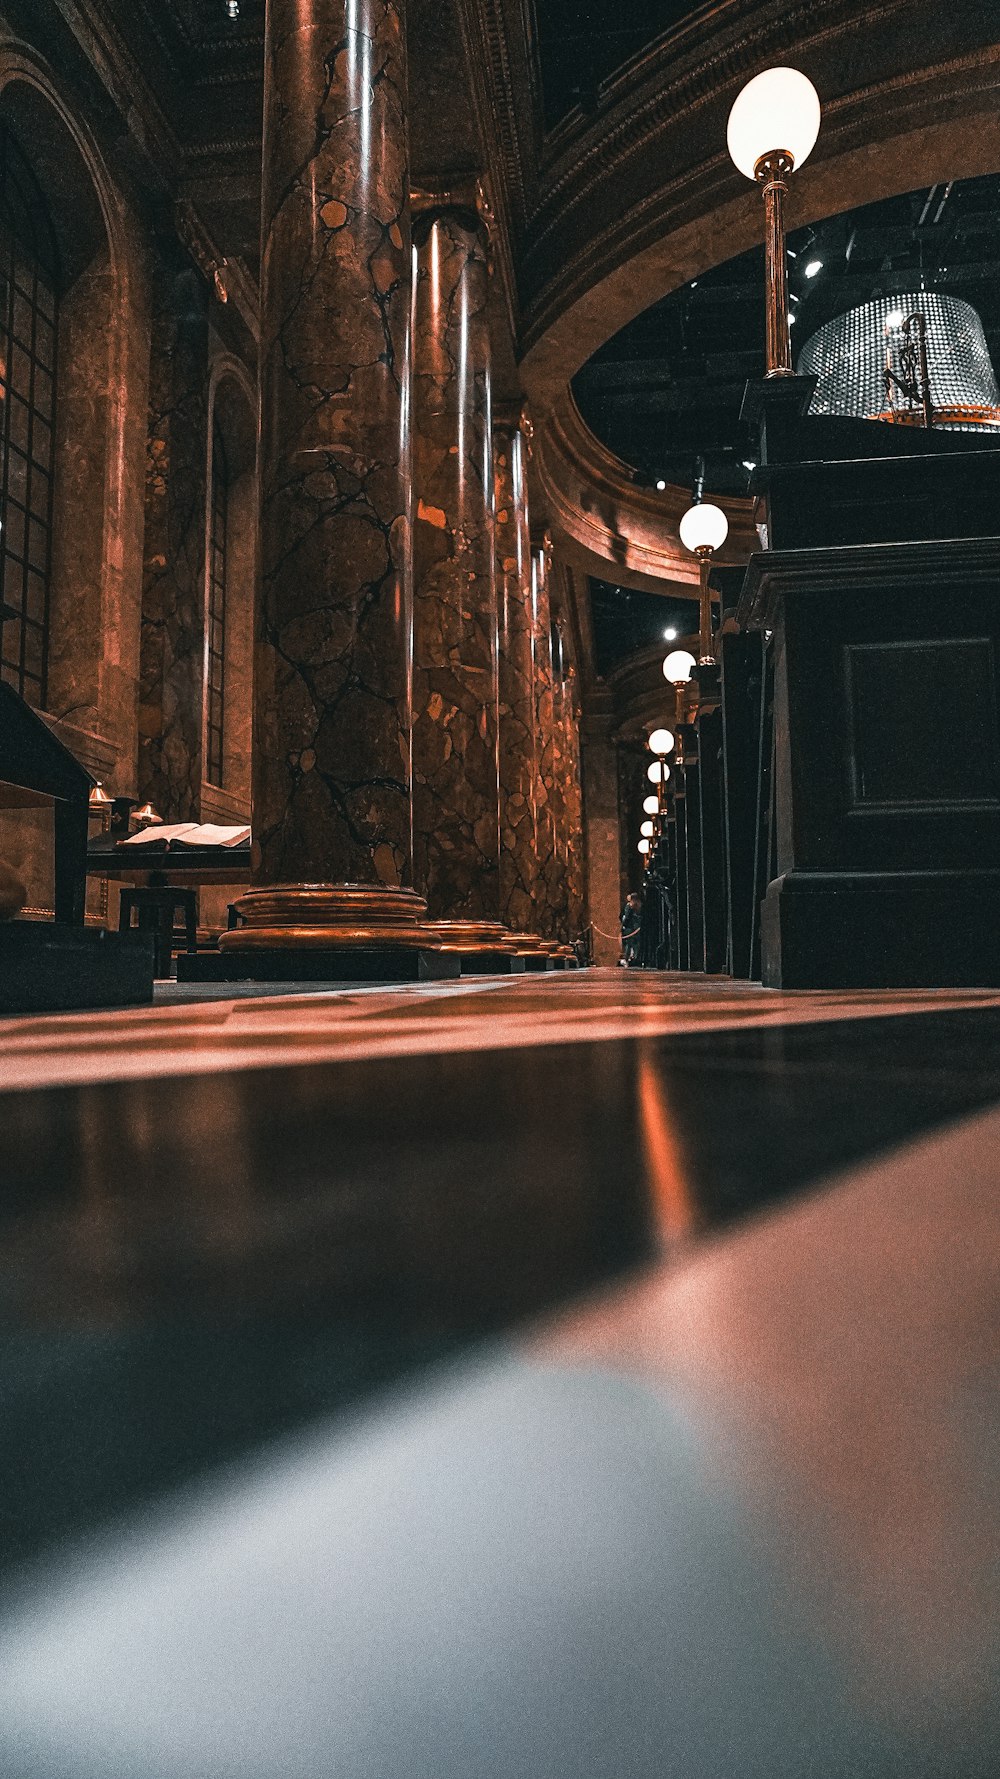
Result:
[{"x": 154, "y": 910}]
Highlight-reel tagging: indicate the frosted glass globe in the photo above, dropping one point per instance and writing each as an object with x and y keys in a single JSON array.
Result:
[
  {"x": 647, "y": 829},
  {"x": 643, "y": 846},
  {"x": 678, "y": 667},
  {"x": 650, "y": 805},
  {"x": 657, "y": 772},
  {"x": 777, "y": 110},
  {"x": 704, "y": 527},
  {"x": 661, "y": 742}
]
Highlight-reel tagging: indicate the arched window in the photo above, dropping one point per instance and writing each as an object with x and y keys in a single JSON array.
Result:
[
  {"x": 28, "y": 317},
  {"x": 218, "y": 534}
]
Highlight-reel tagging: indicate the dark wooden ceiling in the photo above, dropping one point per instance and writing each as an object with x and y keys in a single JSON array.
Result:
[{"x": 581, "y": 43}]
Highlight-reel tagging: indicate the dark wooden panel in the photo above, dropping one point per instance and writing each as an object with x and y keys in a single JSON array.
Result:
[{"x": 902, "y": 754}]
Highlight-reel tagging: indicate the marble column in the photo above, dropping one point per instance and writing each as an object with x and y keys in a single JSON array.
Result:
[
  {"x": 456, "y": 805},
  {"x": 332, "y": 746},
  {"x": 559, "y": 880},
  {"x": 603, "y": 840},
  {"x": 519, "y": 864},
  {"x": 549, "y": 872},
  {"x": 172, "y": 634},
  {"x": 573, "y": 806}
]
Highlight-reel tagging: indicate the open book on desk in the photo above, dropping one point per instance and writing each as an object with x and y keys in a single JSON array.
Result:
[{"x": 181, "y": 834}]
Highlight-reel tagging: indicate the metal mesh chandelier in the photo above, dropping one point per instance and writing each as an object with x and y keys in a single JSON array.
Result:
[{"x": 917, "y": 358}]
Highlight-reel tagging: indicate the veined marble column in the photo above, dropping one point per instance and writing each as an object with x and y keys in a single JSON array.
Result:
[
  {"x": 172, "y": 637},
  {"x": 573, "y": 805},
  {"x": 456, "y": 804},
  {"x": 559, "y": 882},
  {"x": 547, "y": 896},
  {"x": 519, "y": 864},
  {"x": 332, "y": 744}
]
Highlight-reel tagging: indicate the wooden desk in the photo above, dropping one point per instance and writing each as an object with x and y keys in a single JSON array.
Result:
[{"x": 156, "y": 866}]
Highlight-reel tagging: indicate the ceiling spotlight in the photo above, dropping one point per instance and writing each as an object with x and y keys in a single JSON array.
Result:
[
  {"x": 660, "y": 486},
  {"x": 814, "y": 266},
  {"x": 669, "y": 635},
  {"x": 747, "y": 464},
  {"x": 792, "y": 319},
  {"x": 233, "y": 8}
]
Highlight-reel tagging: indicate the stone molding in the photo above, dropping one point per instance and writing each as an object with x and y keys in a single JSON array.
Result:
[{"x": 618, "y": 529}]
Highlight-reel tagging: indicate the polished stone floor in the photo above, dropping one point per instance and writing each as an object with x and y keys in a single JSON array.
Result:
[{"x": 578, "y": 1376}]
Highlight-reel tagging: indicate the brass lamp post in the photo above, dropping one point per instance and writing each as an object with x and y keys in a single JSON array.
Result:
[
  {"x": 772, "y": 129},
  {"x": 661, "y": 743},
  {"x": 703, "y": 530},
  {"x": 678, "y": 668}
]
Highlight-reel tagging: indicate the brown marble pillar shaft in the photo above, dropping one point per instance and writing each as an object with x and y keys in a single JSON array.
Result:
[
  {"x": 547, "y": 894},
  {"x": 331, "y": 752},
  {"x": 456, "y": 807},
  {"x": 559, "y": 887},
  {"x": 573, "y": 804},
  {"x": 172, "y": 634},
  {"x": 519, "y": 863}
]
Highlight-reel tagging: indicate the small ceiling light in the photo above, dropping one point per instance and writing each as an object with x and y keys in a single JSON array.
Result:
[
  {"x": 792, "y": 319},
  {"x": 669, "y": 635},
  {"x": 233, "y": 8},
  {"x": 814, "y": 266},
  {"x": 643, "y": 845},
  {"x": 895, "y": 318},
  {"x": 661, "y": 742},
  {"x": 647, "y": 830},
  {"x": 677, "y": 668},
  {"x": 660, "y": 486},
  {"x": 747, "y": 464},
  {"x": 657, "y": 772},
  {"x": 694, "y": 284},
  {"x": 651, "y": 806}
]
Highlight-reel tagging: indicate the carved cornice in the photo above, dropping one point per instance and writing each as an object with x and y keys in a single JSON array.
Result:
[
  {"x": 506, "y": 105},
  {"x": 614, "y": 529},
  {"x": 228, "y": 277},
  {"x": 495, "y": 38},
  {"x": 93, "y": 25},
  {"x": 621, "y": 181}
]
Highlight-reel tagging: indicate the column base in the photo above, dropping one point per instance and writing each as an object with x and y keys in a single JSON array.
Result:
[
  {"x": 934, "y": 929},
  {"x": 491, "y": 963},
  {"x": 314, "y": 963},
  {"x": 328, "y": 917}
]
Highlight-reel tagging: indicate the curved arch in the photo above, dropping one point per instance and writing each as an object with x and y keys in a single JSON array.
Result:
[
  {"x": 92, "y": 688},
  {"x": 844, "y": 179}
]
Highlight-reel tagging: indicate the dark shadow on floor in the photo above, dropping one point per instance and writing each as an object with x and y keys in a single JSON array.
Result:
[{"x": 194, "y": 1264}]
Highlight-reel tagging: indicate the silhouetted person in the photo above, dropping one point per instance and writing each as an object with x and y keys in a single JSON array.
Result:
[{"x": 631, "y": 923}]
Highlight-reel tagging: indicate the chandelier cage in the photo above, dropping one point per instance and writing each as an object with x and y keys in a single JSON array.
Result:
[{"x": 869, "y": 364}]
